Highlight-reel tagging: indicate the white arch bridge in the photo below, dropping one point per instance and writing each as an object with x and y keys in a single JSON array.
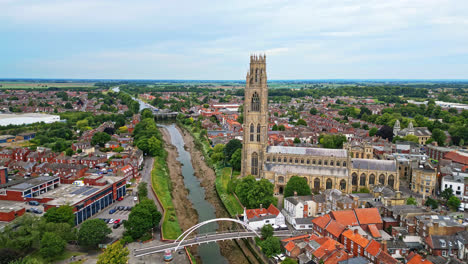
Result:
[{"x": 184, "y": 241}]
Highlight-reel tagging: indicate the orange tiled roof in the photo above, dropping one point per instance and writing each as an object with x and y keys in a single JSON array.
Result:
[
  {"x": 356, "y": 238},
  {"x": 456, "y": 157},
  {"x": 374, "y": 230},
  {"x": 386, "y": 258},
  {"x": 345, "y": 217},
  {"x": 290, "y": 246},
  {"x": 326, "y": 245},
  {"x": 335, "y": 228},
  {"x": 368, "y": 216},
  {"x": 336, "y": 256},
  {"x": 321, "y": 221},
  {"x": 273, "y": 210},
  {"x": 257, "y": 212},
  {"x": 373, "y": 248},
  {"x": 294, "y": 238}
]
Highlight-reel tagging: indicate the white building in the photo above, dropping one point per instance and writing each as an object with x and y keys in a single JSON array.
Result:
[
  {"x": 299, "y": 210},
  {"x": 28, "y": 118},
  {"x": 257, "y": 218},
  {"x": 456, "y": 182}
]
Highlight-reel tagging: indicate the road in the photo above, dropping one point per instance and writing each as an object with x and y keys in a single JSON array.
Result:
[
  {"x": 146, "y": 177},
  {"x": 201, "y": 239}
]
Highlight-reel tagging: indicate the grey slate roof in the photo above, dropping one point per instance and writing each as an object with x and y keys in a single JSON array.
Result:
[
  {"x": 371, "y": 164},
  {"x": 307, "y": 170},
  {"x": 296, "y": 199},
  {"x": 356, "y": 260},
  {"x": 340, "y": 153}
]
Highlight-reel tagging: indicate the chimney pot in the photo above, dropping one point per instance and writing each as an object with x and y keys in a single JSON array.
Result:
[
  {"x": 295, "y": 193},
  {"x": 261, "y": 206},
  {"x": 355, "y": 231}
]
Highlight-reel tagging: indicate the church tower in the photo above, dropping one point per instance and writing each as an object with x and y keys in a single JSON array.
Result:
[{"x": 255, "y": 117}]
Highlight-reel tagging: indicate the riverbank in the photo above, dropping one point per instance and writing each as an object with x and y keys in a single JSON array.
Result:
[
  {"x": 207, "y": 177},
  {"x": 187, "y": 216}
]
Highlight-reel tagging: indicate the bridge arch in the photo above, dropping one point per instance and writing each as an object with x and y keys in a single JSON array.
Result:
[{"x": 187, "y": 232}]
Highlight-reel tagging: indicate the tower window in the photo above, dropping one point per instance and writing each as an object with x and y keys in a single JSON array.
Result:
[
  {"x": 258, "y": 133},
  {"x": 255, "y": 107},
  {"x": 252, "y": 130},
  {"x": 254, "y": 163}
]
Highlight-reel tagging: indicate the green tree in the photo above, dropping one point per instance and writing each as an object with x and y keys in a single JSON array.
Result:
[
  {"x": 356, "y": 125},
  {"x": 62, "y": 214},
  {"x": 252, "y": 193},
  {"x": 301, "y": 122},
  {"x": 52, "y": 245},
  {"x": 267, "y": 231},
  {"x": 446, "y": 194},
  {"x": 297, "y": 184},
  {"x": 142, "y": 190},
  {"x": 68, "y": 105},
  {"x": 151, "y": 207},
  {"x": 114, "y": 254},
  {"x": 373, "y": 131},
  {"x": 100, "y": 138},
  {"x": 289, "y": 261},
  {"x": 332, "y": 141},
  {"x": 93, "y": 232},
  {"x": 139, "y": 222},
  {"x": 271, "y": 246},
  {"x": 82, "y": 124},
  {"x": 27, "y": 260},
  {"x": 155, "y": 146},
  {"x": 434, "y": 204},
  {"x": 313, "y": 111},
  {"x": 69, "y": 152},
  {"x": 231, "y": 147},
  {"x": 296, "y": 140},
  {"x": 411, "y": 138},
  {"x": 439, "y": 136},
  {"x": 236, "y": 160},
  {"x": 146, "y": 113},
  {"x": 274, "y": 127},
  {"x": 454, "y": 203},
  {"x": 281, "y": 128},
  {"x": 411, "y": 201}
]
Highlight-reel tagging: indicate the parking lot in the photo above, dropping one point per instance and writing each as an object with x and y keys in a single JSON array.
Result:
[{"x": 119, "y": 214}]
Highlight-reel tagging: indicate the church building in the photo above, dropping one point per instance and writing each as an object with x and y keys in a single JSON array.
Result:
[{"x": 322, "y": 168}]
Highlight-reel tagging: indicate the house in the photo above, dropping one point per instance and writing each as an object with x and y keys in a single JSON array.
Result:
[
  {"x": 257, "y": 218},
  {"x": 415, "y": 258}
]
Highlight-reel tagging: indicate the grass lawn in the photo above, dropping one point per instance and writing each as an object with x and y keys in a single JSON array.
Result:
[
  {"x": 64, "y": 256},
  {"x": 162, "y": 187}
]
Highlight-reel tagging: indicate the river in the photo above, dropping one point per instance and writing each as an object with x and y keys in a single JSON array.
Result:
[{"x": 209, "y": 253}]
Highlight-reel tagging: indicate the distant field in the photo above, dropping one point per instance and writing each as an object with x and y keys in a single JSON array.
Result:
[{"x": 30, "y": 85}]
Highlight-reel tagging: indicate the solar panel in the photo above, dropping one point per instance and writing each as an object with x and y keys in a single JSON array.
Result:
[
  {"x": 90, "y": 191},
  {"x": 81, "y": 190}
]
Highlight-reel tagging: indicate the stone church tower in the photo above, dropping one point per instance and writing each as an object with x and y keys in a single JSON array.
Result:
[{"x": 255, "y": 118}]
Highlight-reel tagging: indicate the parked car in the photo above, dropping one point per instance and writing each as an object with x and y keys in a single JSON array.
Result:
[
  {"x": 112, "y": 211},
  {"x": 117, "y": 221},
  {"x": 120, "y": 199},
  {"x": 34, "y": 203},
  {"x": 111, "y": 221},
  {"x": 283, "y": 227},
  {"x": 128, "y": 208},
  {"x": 121, "y": 208},
  {"x": 116, "y": 226}
]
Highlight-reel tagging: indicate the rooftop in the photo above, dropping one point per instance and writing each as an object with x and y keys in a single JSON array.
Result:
[
  {"x": 29, "y": 183},
  {"x": 301, "y": 169},
  {"x": 340, "y": 153},
  {"x": 370, "y": 164}
]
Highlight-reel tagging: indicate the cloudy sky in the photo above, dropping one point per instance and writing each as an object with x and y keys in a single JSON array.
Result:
[{"x": 178, "y": 39}]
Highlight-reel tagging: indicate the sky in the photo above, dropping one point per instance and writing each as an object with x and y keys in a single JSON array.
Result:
[{"x": 212, "y": 40}]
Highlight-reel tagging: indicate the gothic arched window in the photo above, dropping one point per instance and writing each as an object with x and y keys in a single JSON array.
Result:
[
  {"x": 252, "y": 130},
  {"x": 255, "y": 106},
  {"x": 258, "y": 133},
  {"x": 254, "y": 163}
]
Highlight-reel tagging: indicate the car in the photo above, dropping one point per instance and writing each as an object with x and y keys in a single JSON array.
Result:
[
  {"x": 107, "y": 220},
  {"x": 111, "y": 221},
  {"x": 128, "y": 208},
  {"x": 282, "y": 257},
  {"x": 112, "y": 211},
  {"x": 116, "y": 226},
  {"x": 275, "y": 227},
  {"x": 283, "y": 227},
  {"x": 120, "y": 199},
  {"x": 28, "y": 210},
  {"x": 34, "y": 203},
  {"x": 120, "y": 208},
  {"x": 117, "y": 221},
  {"x": 37, "y": 211},
  {"x": 135, "y": 198}
]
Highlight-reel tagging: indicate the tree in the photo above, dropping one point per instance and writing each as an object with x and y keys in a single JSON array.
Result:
[
  {"x": 62, "y": 214},
  {"x": 155, "y": 146},
  {"x": 439, "y": 136},
  {"x": 267, "y": 231},
  {"x": 218, "y": 153},
  {"x": 236, "y": 160},
  {"x": 296, "y": 140},
  {"x": 232, "y": 146},
  {"x": 411, "y": 201},
  {"x": 51, "y": 245},
  {"x": 411, "y": 138},
  {"x": 146, "y": 113},
  {"x": 313, "y": 111},
  {"x": 454, "y": 203},
  {"x": 446, "y": 194},
  {"x": 151, "y": 207},
  {"x": 27, "y": 260},
  {"x": 8, "y": 255},
  {"x": 297, "y": 184},
  {"x": 432, "y": 203},
  {"x": 356, "y": 125},
  {"x": 69, "y": 152},
  {"x": 289, "y": 261},
  {"x": 142, "y": 190},
  {"x": 93, "y": 232},
  {"x": 271, "y": 246},
  {"x": 274, "y": 127},
  {"x": 385, "y": 132},
  {"x": 252, "y": 193},
  {"x": 332, "y": 141},
  {"x": 281, "y": 128},
  {"x": 100, "y": 138},
  {"x": 301, "y": 122},
  {"x": 68, "y": 105},
  {"x": 114, "y": 254},
  {"x": 373, "y": 131}
]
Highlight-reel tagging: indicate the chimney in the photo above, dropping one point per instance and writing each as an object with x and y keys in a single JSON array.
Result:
[
  {"x": 295, "y": 194},
  {"x": 384, "y": 246},
  {"x": 355, "y": 231},
  {"x": 261, "y": 206}
]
